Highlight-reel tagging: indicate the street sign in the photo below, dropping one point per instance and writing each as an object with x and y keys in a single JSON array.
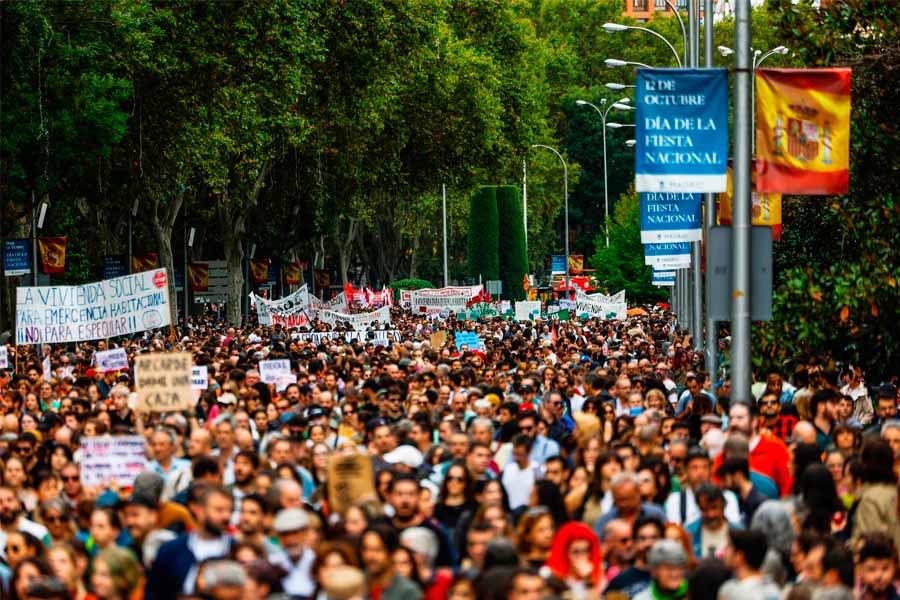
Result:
[{"x": 719, "y": 276}]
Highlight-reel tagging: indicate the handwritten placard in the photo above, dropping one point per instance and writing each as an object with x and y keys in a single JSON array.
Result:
[
  {"x": 112, "y": 360},
  {"x": 4, "y": 357},
  {"x": 200, "y": 378},
  {"x": 163, "y": 381},
  {"x": 270, "y": 370}
]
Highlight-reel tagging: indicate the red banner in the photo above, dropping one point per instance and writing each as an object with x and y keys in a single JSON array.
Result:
[
  {"x": 292, "y": 272},
  {"x": 259, "y": 270},
  {"x": 198, "y": 277},
  {"x": 144, "y": 262},
  {"x": 53, "y": 255}
]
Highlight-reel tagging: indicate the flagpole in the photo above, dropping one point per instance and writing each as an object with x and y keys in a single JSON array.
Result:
[
  {"x": 446, "y": 271},
  {"x": 709, "y": 217},
  {"x": 741, "y": 205},
  {"x": 525, "y": 203}
]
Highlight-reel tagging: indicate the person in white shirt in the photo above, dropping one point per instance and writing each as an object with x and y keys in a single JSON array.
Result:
[
  {"x": 681, "y": 507},
  {"x": 520, "y": 473},
  {"x": 292, "y": 526}
]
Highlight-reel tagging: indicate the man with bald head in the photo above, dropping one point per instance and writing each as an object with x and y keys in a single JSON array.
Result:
[
  {"x": 200, "y": 443},
  {"x": 804, "y": 433}
]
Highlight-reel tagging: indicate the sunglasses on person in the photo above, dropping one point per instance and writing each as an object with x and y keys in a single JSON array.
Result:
[
  {"x": 56, "y": 519},
  {"x": 71, "y": 478},
  {"x": 526, "y": 428},
  {"x": 768, "y": 403},
  {"x": 23, "y": 449},
  {"x": 455, "y": 478}
]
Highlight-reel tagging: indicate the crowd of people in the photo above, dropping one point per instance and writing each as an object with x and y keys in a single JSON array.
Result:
[{"x": 576, "y": 459}]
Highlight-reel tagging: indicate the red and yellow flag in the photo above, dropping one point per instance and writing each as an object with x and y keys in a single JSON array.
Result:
[
  {"x": 766, "y": 208},
  {"x": 259, "y": 270},
  {"x": 803, "y": 131},
  {"x": 198, "y": 277},
  {"x": 144, "y": 262},
  {"x": 291, "y": 273},
  {"x": 53, "y": 254},
  {"x": 576, "y": 263}
]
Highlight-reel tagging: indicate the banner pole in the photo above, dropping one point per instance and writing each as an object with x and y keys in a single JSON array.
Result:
[
  {"x": 709, "y": 216},
  {"x": 741, "y": 205}
]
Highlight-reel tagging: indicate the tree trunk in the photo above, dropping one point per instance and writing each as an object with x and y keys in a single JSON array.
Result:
[
  {"x": 234, "y": 256},
  {"x": 163, "y": 219},
  {"x": 413, "y": 257},
  {"x": 345, "y": 248}
]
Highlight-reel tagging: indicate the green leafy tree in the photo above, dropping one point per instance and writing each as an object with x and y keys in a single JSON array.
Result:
[
  {"x": 621, "y": 265},
  {"x": 484, "y": 243}
]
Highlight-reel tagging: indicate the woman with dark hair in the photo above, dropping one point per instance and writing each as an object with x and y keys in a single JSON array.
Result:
[
  {"x": 404, "y": 562},
  {"x": 534, "y": 535},
  {"x": 376, "y": 547},
  {"x": 264, "y": 580},
  {"x": 587, "y": 502},
  {"x": 455, "y": 497},
  {"x": 24, "y": 573},
  {"x": 546, "y": 493},
  {"x": 804, "y": 455},
  {"x": 876, "y": 504},
  {"x": 818, "y": 502},
  {"x": 704, "y": 582}
]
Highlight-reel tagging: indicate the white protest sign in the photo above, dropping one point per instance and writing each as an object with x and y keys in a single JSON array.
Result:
[
  {"x": 199, "y": 378},
  {"x": 270, "y": 370},
  {"x": 282, "y": 381},
  {"x": 110, "y": 308},
  {"x": 163, "y": 381},
  {"x": 4, "y": 357},
  {"x": 528, "y": 310},
  {"x": 111, "y": 360},
  {"x": 436, "y": 300},
  {"x": 288, "y": 305},
  {"x": 106, "y": 458},
  {"x": 604, "y": 309},
  {"x": 376, "y": 337}
]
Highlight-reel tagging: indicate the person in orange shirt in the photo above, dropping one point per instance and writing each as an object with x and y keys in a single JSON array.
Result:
[{"x": 768, "y": 454}]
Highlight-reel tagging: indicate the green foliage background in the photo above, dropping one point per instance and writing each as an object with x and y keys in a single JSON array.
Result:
[
  {"x": 484, "y": 239},
  {"x": 513, "y": 254}
]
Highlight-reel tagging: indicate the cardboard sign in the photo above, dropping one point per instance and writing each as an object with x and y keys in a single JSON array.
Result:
[
  {"x": 119, "y": 457},
  {"x": 350, "y": 480},
  {"x": 4, "y": 357},
  {"x": 270, "y": 370},
  {"x": 199, "y": 378},
  {"x": 438, "y": 339},
  {"x": 282, "y": 381},
  {"x": 528, "y": 310},
  {"x": 112, "y": 360},
  {"x": 163, "y": 381}
]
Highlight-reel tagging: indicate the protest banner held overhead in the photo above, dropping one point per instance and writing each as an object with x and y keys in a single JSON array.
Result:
[
  {"x": 671, "y": 217},
  {"x": 109, "y": 308},
  {"x": 436, "y": 300},
  {"x": 681, "y": 129},
  {"x": 380, "y": 317},
  {"x": 270, "y": 370},
  {"x": 803, "y": 130},
  {"x": 381, "y": 337},
  {"x": 163, "y": 381}
]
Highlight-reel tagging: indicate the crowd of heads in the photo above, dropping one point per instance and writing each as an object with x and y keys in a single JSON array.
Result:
[{"x": 565, "y": 459}]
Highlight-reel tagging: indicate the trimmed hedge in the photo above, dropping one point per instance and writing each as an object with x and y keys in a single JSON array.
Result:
[
  {"x": 513, "y": 253},
  {"x": 483, "y": 245}
]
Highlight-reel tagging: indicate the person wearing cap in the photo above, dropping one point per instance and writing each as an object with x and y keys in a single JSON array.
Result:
[
  {"x": 668, "y": 564},
  {"x": 292, "y": 527},
  {"x": 141, "y": 514}
]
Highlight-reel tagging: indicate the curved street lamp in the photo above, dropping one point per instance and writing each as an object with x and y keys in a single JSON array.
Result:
[
  {"x": 622, "y": 104},
  {"x": 616, "y": 27},
  {"x": 565, "y": 201}
]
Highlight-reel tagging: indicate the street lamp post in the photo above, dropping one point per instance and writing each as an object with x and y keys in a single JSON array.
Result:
[
  {"x": 616, "y": 27},
  {"x": 620, "y": 105},
  {"x": 565, "y": 204}
]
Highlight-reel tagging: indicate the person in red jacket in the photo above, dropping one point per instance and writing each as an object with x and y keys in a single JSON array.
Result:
[{"x": 768, "y": 454}]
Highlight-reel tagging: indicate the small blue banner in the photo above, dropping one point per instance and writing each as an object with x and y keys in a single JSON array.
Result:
[
  {"x": 468, "y": 338},
  {"x": 663, "y": 278},
  {"x": 16, "y": 257},
  {"x": 681, "y": 130},
  {"x": 558, "y": 263},
  {"x": 671, "y": 217},
  {"x": 668, "y": 255},
  {"x": 114, "y": 266}
]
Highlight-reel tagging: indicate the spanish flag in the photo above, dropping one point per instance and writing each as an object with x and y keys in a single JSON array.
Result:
[
  {"x": 291, "y": 273},
  {"x": 576, "y": 263},
  {"x": 803, "y": 131},
  {"x": 198, "y": 277},
  {"x": 259, "y": 270},
  {"x": 53, "y": 254},
  {"x": 766, "y": 209},
  {"x": 145, "y": 262}
]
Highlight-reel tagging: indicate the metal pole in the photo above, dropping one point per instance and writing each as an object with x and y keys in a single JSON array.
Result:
[
  {"x": 446, "y": 272},
  {"x": 185, "y": 279},
  {"x": 566, "y": 199},
  {"x": 605, "y": 183},
  {"x": 696, "y": 285},
  {"x": 525, "y": 202},
  {"x": 692, "y": 25},
  {"x": 740, "y": 257},
  {"x": 709, "y": 202},
  {"x": 34, "y": 260}
]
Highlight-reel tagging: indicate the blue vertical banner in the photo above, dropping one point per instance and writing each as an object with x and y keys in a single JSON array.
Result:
[
  {"x": 681, "y": 130},
  {"x": 668, "y": 255},
  {"x": 663, "y": 278},
  {"x": 558, "y": 263},
  {"x": 16, "y": 257},
  {"x": 114, "y": 266},
  {"x": 671, "y": 217}
]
